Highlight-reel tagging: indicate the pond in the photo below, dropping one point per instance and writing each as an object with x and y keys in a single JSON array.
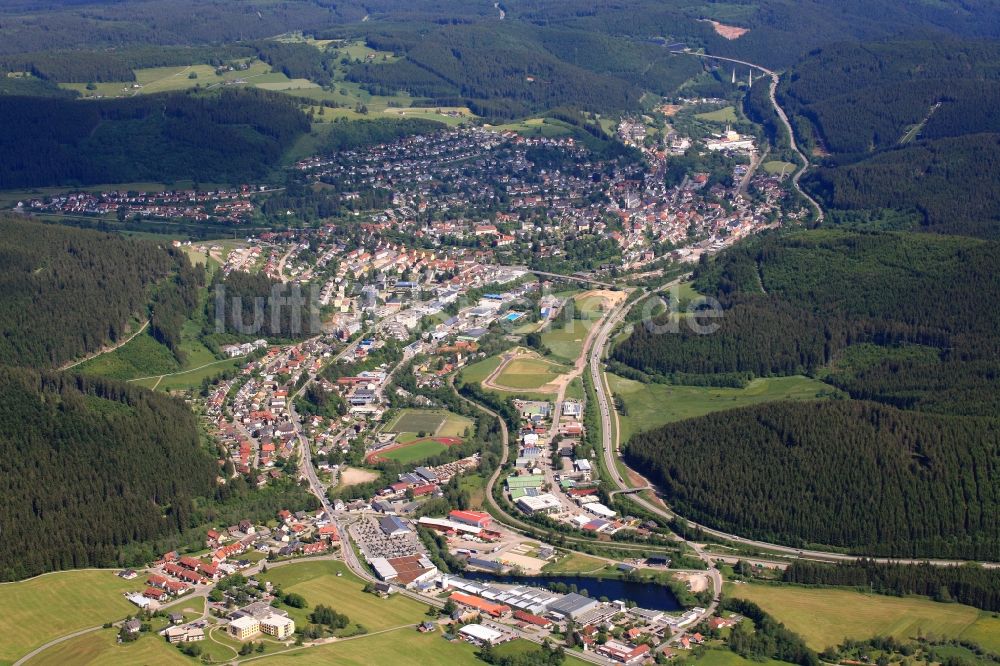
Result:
[{"x": 644, "y": 595}]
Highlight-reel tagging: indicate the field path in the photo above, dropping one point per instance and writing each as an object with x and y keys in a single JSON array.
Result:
[
  {"x": 105, "y": 350},
  {"x": 159, "y": 378},
  {"x": 54, "y": 641}
]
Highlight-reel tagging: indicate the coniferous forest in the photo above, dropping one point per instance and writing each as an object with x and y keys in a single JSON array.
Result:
[
  {"x": 903, "y": 324},
  {"x": 90, "y": 466},
  {"x": 234, "y": 136},
  {"x": 66, "y": 292}
]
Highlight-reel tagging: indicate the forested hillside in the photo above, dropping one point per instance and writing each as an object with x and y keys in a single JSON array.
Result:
[
  {"x": 90, "y": 466},
  {"x": 828, "y": 292},
  {"x": 904, "y": 125},
  {"x": 234, "y": 136},
  {"x": 862, "y": 476},
  {"x": 900, "y": 322},
  {"x": 65, "y": 293}
]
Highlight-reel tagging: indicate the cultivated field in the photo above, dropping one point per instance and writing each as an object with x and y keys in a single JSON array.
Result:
[
  {"x": 652, "y": 405},
  {"x": 824, "y": 617},
  {"x": 402, "y": 646},
  {"x": 36, "y": 611}
]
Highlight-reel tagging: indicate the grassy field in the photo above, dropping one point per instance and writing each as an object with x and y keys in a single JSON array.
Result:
[
  {"x": 36, "y": 611},
  {"x": 652, "y": 405},
  {"x": 574, "y": 562},
  {"x": 438, "y": 422},
  {"x": 775, "y": 167},
  {"x": 414, "y": 452},
  {"x": 319, "y": 584},
  {"x": 824, "y": 617},
  {"x": 722, "y": 657},
  {"x": 101, "y": 648},
  {"x": 480, "y": 370},
  {"x": 402, "y": 646},
  {"x": 726, "y": 114},
  {"x": 528, "y": 373},
  {"x": 139, "y": 357}
]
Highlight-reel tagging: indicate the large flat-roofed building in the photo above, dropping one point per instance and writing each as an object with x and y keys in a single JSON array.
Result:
[
  {"x": 479, "y": 519},
  {"x": 278, "y": 626},
  {"x": 573, "y": 605},
  {"x": 543, "y": 504},
  {"x": 480, "y": 635},
  {"x": 525, "y": 481},
  {"x": 244, "y": 627}
]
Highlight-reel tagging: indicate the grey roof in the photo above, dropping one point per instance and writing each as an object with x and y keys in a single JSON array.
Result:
[{"x": 572, "y": 604}]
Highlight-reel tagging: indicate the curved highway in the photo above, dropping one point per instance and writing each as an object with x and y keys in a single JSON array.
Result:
[
  {"x": 610, "y": 445},
  {"x": 784, "y": 119}
]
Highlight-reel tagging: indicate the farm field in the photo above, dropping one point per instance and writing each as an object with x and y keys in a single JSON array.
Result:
[
  {"x": 652, "y": 405},
  {"x": 726, "y": 114},
  {"x": 57, "y": 604},
  {"x": 825, "y": 616},
  {"x": 319, "y": 584}
]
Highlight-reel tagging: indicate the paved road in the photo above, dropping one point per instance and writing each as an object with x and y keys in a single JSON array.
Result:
[
  {"x": 612, "y": 453},
  {"x": 772, "y": 92}
]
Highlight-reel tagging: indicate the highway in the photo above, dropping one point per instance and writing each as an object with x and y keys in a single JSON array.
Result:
[
  {"x": 612, "y": 454},
  {"x": 772, "y": 92}
]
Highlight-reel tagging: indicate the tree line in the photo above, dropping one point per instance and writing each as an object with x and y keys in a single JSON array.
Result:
[{"x": 967, "y": 584}]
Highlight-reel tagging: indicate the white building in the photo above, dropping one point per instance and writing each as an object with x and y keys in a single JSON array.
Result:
[
  {"x": 480, "y": 635},
  {"x": 279, "y": 626},
  {"x": 544, "y": 503},
  {"x": 244, "y": 627}
]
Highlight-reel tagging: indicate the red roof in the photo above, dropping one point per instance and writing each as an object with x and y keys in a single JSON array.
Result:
[
  {"x": 531, "y": 619},
  {"x": 154, "y": 593},
  {"x": 424, "y": 490}
]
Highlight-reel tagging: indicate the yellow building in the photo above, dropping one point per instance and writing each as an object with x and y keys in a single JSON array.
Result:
[
  {"x": 279, "y": 626},
  {"x": 244, "y": 627}
]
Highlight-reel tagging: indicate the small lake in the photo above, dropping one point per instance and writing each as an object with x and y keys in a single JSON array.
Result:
[{"x": 645, "y": 595}]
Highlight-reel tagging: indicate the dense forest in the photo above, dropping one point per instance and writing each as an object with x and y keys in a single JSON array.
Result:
[
  {"x": 68, "y": 292},
  {"x": 795, "y": 303},
  {"x": 967, "y": 584},
  {"x": 89, "y": 466},
  {"x": 861, "y": 476},
  {"x": 893, "y": 318},
  {"x": 252, "y": 305},
  {"x": 903, "y": 125},
  {"x": 233, "y": 136}
]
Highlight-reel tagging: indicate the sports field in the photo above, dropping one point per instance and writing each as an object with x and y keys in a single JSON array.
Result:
[
  {"x": 439, "y": 422},
  {"x": 824, "y": 617},
  {"x": 652, "y": 405},
  {"x": 36, "y": 611},
  {"x": 529, "y": 373},
  {"x": 411, "y": 453}
]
